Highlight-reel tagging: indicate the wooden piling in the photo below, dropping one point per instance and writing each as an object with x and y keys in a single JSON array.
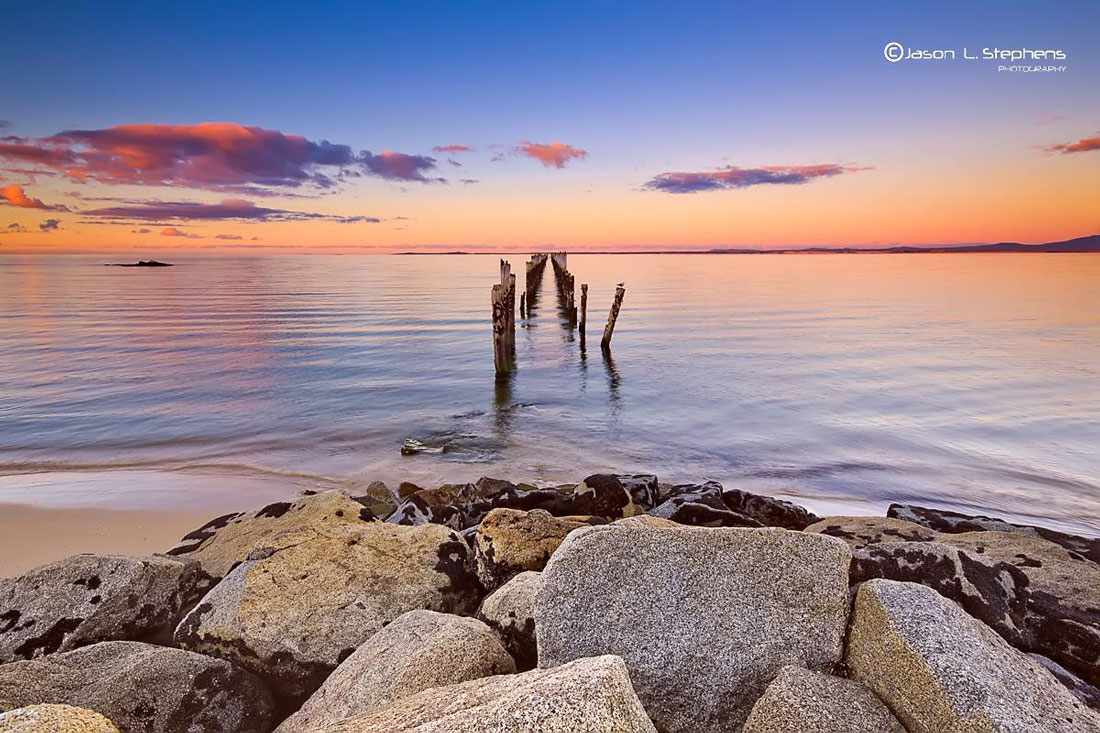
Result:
[
  {"x": 523, "y": 304},
  {"x": 503, "y": 299},
  {"x": 613, "y": 316},
  {"x": 584, "y": 310}
]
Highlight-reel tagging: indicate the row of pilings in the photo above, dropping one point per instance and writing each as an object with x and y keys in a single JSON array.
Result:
[{"x": 504, "y": 302}]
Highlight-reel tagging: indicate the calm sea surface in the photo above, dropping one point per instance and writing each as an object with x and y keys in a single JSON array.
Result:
[{"x": 845, "y": 382}]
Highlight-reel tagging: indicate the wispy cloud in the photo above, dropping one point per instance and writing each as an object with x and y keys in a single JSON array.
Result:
[
  {"x": 210, "y": 155},
  {"x": 50, "y": 225},
  {"x": 228, "y": 236},
  {"x": 551, "y": 155},
  {"x": 1084, "y": 145},
  {"x": 239, "y": 209},
  {"x": 452, "y": 149},
  {"x": 14, "y": 195},
  {"x": 734, "y": 177}
]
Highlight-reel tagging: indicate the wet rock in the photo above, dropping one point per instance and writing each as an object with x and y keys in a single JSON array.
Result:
[
  {"x": 939, "y": 669},
  {"x": 768, "y": 510},
  {"x": 586, "y": 695},
  {"x": 141, "y": 687},
  {"x": 378, "y": 498},
  {"x": 615, "y": 495},
  {"x": 1039, "y": 596},
  {"x": 942, "y": 520},
  {"x": 703, "y": 618},
  {"x": 801, "y": 701},
  {"x": 487, "y": 487},
  {"x": 510, "y": 541},
  {"x": 54, "y": 719},
  {"x": 700, "y": 505},
  {"x": 418, "y": 651},
  {"x": 222, "y": 543},
  {"x": 88, "y": 598},
  {"x": 555, "y": 501},
  {"x": 405, "y": 489},
  {"x": 428, "y": 506},
  {"x": 862, "y": 531},
  {"x": 510, "y": 612},
  {"x": 307, "y": 598}
]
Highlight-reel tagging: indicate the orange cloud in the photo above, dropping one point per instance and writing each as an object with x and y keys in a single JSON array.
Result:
[
  {"x": 551, "y": 155},
  {"x": 173, "y": 232},
  {"x": 15, "y": 196},
  {"x": 1083, "y": 145}
]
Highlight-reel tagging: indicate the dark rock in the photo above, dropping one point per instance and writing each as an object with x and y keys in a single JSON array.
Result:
[
  {"x": 700, "y": 505},
  {"x": 405, "y": 489},
  {"x": 862, "y": 531},
  {"x": 942, "y": 520},
  {"x": 1039, "y": 596},
  {"x": 141, "y": 687},
  {"x": 615, "y": 495},
  {"x": 88, "y": 598},
  {"x": 428, "y": 506},
  {"x": 768, "y": 510},
  {"x": 487, "y": 487}
]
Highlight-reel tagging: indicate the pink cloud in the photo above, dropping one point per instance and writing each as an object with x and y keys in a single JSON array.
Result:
[
  {"x": 226, "y": 209},
  {"x": 1083, "y": 145},
  {"x": 452, "y": 149},
  {"x": 15, "y": 196},
  {"x": 173, "y": 232},
  {"x": 551, "y": 155},
  {"x": 212, "y": 155}
]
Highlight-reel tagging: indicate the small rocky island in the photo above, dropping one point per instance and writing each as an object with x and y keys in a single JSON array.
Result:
[
  {"x": 141, "y": 263},
  {"x": 618, "y": 605}
]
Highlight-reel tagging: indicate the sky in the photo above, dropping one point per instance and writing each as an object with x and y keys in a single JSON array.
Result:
[{"x": 600, "y": 126}]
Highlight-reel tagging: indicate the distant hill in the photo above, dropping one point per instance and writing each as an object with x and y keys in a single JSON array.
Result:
[{"x": 1080, "y": 244}]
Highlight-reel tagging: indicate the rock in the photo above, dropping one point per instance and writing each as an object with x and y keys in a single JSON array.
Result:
[
  {"x": 615, "y": 495},
  {"x": 141, "y": 687},
  {"x": 306, "y": 599},
  {"x": 428, "y": 506},
  {"x": 862, "y": 531},
  {"x": 418, "y": 651},
  {"x": 378, "y": 498},
  {"x": 585, "y": 696},
  {"x": 54, "y": 719},
  {"x": 768, "y": 510},
  {"x": 700, "y": 505},
  {"x": 405, "y": 489},
  {"x": 942, "y": 520},
  {"x": 1082, "y": 690},
  {"x": 222, "y": 543},
  {"x": 510, "y": 612},
  {"x": 88, "y": 598},
  {"x": 487, "y": 487},
  {"x": 511, "y": 541},
  {"x": 557, "y": 502},
  {"x": 703, "y": 618},
  {"x": 801, "y": 701},
  {"x": 645, "y": 520},
  {"x": 1039, "y": 596},
  {"x": 938, "y": 669}
]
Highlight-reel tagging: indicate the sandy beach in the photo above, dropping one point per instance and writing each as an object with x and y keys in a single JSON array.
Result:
[{"x": 31, "y": 536}]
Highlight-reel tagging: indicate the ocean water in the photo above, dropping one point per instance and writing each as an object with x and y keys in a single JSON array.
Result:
[{"x": 845, "y": 382}]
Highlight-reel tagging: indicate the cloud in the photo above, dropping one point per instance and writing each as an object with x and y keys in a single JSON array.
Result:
[
  {"x": 140, "y": 231},
  {"x": 228, "y": 236},
  {"x": 17, "y": 228},
  {"x": 173, "y": 232},
  {"x": 238, "y": 209},
  {"x": 4, "y": 124},
  {"x": 211, "y": 155},
  {"x": 452, "y": 149},
  {"x": 50, "y": 225},
  {"x": 15, "y": 196},
  {"x": 468, "y": 181},
  {"x": 734, "y": 177},
  {"x": 397, "y": 166},
  {"x": 1083, "y": 145},
  {"x": 551, "y": 155}
]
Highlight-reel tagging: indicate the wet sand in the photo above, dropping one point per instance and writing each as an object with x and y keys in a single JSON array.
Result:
[{"x": 31, "y": 536}]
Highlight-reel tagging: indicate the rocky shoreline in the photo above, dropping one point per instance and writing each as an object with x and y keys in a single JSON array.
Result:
[{"x": 618, "y": 604}]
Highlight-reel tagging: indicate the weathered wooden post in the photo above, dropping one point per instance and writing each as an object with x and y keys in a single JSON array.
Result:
[
  {"x": 613, "y": 316},
  {"x": 503, "y": 299},
  {"x": 523, "y": 304},
  {"x": 584, "y": 310}
]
